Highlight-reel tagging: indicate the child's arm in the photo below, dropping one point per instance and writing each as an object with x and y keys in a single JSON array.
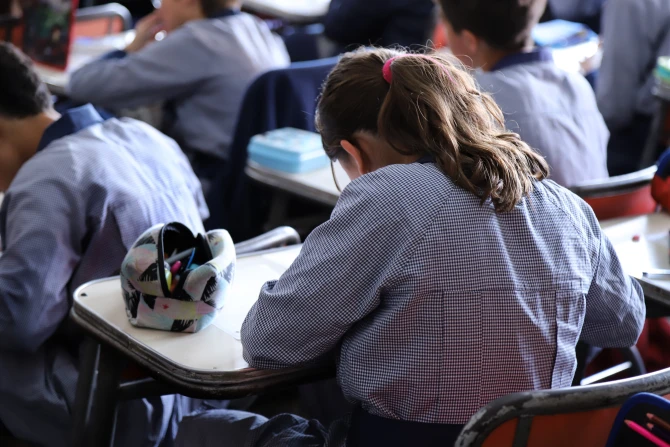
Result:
[
  {"x": 615, "y": 308},
  {"x": 629, "y": 41},
  {"x": 160, "y": 71},
  {"x": 334, "y": 283}
]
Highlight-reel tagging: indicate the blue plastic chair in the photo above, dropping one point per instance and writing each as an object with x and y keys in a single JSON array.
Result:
[{"x": 279, "y": 98}]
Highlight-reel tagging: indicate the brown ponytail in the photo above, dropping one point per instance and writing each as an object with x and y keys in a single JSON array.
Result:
[{"x": 431, "y": 107}]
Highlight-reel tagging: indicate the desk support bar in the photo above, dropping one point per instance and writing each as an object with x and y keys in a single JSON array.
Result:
[
  {"x": 88, "y": 365},
  {"x": 105, "y": 397}
]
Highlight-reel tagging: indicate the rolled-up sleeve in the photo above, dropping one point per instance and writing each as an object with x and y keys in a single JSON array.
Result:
[
  {"x": 43, "y": 238},
  {"x": 615, "y": 308}
]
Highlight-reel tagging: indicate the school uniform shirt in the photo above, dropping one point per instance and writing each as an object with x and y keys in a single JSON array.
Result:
[
  {"x": 380, "y": 22},
  {"x": 635, "y": 34},
  {"x": 201, "y": 70},
  {"x": 69, "y": 216},
  {"x": 435, "y": 304},
  {"x": 554, "y": 112}
]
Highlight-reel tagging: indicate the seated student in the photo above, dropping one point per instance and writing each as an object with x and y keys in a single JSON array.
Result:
[
  {"x": 352, "y": 23},
  {"x": 635, "y": 34},
  {"x": 78, "y": 192},
  {"x": 201, "y": 69},
  {"x": 450, "y": 273},
  {"x": 554, "y": 111}
]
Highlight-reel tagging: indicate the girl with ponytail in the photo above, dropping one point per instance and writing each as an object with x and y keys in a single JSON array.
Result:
[{"x": 451, "y": 272}]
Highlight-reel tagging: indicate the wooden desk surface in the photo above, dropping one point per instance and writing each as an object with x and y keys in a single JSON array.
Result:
[
  {"x": 650, "y": 251},
  {"x": 316, "y": 185},
  {"x": 209, "y": 358}
]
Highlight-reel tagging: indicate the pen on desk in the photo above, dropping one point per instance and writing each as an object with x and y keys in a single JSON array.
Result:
[
  {"x": 646, "y": 434},
  {"x": 657, "y": 274}
]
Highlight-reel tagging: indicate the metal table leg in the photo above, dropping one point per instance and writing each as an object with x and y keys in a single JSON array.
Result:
[
  {"x": 102, "y": 419},
  {"x": 88, "y": 365}
]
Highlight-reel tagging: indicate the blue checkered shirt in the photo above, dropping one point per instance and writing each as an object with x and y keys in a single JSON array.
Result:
[
  {"x": 68, "y": 217},
  {"x": 436, "y": 304}
]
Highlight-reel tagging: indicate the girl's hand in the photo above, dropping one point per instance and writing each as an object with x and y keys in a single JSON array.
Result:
[{"x": 145, "y": 32}]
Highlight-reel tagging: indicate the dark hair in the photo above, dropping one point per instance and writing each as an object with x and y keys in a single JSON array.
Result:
[
  {"x": 22, "y": 93},
  {"x": 431, "y": 107},
  {"x": 502, "y": 24},
  {"x": 211, "y": 7}
]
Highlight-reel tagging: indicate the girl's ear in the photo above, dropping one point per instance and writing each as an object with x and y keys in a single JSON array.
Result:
[
  {"x": 359, "y": 157},
  {"x": 471, "y": 42}
]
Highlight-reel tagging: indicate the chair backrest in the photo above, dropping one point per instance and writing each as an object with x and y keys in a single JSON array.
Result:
[
  {"x": 8, "y": 24},
  {"x": 98, "y": 21},
  {"x": 620, "y": 196},
  {"x": 276, "y": 99},
  {"x": 576, "y": 417}
]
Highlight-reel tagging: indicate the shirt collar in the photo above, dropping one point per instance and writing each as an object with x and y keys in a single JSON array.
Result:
[
  {"x": 226, "y": 12},
  {"x": 70, "y": 122},
  {"x": 537, "y": 55}
]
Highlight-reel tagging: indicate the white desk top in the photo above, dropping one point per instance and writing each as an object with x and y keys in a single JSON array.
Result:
[
  {"x": 291, "y": 10},
  {"x": 316, "y": 185},
  {"x": 84, "y": 50},
  {"x": 215, "y": 349},
  {"x": 651, "y": 251}
]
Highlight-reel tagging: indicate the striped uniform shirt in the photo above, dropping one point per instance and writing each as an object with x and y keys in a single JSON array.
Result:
[
  {"x": 434, "y": 304},
  {"x": 68, "y": 217}
]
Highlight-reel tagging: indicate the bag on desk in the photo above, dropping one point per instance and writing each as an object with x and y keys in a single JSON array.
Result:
[{"x": 175, "y": 281}]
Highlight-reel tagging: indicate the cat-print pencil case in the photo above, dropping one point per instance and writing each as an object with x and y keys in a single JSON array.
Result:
[{"x": 173, "y": 280}]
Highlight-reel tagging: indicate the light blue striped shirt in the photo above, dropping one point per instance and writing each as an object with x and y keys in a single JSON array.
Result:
[
  {"x": 69, "y": 216},
  {"x": 554, "y": 112}
]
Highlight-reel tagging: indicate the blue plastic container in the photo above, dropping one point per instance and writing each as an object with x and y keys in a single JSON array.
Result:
[
  {"x": 288, "y": 150},
  {"x": 562, "y": 34}
]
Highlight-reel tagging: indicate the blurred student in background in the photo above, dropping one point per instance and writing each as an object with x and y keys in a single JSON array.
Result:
[
  {"x": 78, "y": 193},
  {"x": 385, "y": 23},
  {"x": 553, "y": 110},
  {"x": 635, "y": 34},
  {"x": 201, "y": 70}
]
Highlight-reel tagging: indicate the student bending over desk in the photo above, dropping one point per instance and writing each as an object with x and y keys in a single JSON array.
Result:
[
  {"x": 452, "y": 272},
  {"x": 553, "y": 110},
  {"x": 78, "y": 193},
  {"x": 201, "y": 70}
]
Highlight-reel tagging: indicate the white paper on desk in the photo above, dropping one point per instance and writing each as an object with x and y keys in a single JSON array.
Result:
[{"x": 246, "y": 287}]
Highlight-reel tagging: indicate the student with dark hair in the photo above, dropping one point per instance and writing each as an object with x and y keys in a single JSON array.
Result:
[
  {"x": 554, "y": 111},
  {"x": 451, "y": 272},
  {"x": 200, "y": 70},
  {"x": 385, "y": 23},
  {"x": 635, "y": 34},
  {"x": 78, "y": 193}
]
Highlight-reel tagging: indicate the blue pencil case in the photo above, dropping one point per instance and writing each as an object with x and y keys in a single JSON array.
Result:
[
  {"x": 641, "y": 413},
  {"x": 562, "y": 34},
  {"x": 289, "y": 150}
]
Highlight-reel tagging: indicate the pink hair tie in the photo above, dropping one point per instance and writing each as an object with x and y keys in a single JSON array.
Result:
[{"x": 388, "y": 73}]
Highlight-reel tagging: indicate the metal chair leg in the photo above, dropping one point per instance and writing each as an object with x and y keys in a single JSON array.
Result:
[
  {"x": 104, "y": 401},
  {"x": 88, "y": 364}
]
